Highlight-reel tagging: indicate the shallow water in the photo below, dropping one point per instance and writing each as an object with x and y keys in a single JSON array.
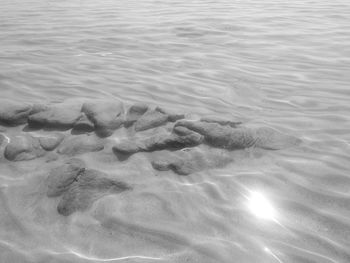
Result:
[{"x": 266, "y": 63}]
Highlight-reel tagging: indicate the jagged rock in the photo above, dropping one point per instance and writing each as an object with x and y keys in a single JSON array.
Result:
[
  {"x": 134, "y": 113},
  {"x": 239, "y": 138},
  {"x": 58, "y": 116},
  {"x": 79, "y": 144},
  {"x": 50, "y": 142},
  {"x": 172, "y": 117},
  {"x": 14, "y": 113},
  {"x": 159, "y": 142},
  {"x": 24, "y": 147},
  {"x": 192, "y": 160},
  {"x": 83, "y": 125},
  {"x": 151, "y": 119},
  {"x": 89, "y": 186},
  {"x": 220, "y": 121},
  {"x": 61, "y": 177},
  {"x": 106, "y": 116}
]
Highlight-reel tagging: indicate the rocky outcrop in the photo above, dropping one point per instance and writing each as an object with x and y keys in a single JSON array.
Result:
[
  {"x": 14, "y": 113},
  {"x": 23, "y": 147},
  {"x": 106, "y": 116},
  {"x": 60, "y": 116},
  {"x": 80, "y": 187},
  {"x": 190, "y": 160},
  {"x": 79, "y": 144}
]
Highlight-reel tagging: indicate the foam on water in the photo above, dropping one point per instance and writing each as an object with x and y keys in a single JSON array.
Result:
[{"x": 281, "y": 64}]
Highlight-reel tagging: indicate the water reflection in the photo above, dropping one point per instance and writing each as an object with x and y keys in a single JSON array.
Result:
[{"x": 260, "y": 206}]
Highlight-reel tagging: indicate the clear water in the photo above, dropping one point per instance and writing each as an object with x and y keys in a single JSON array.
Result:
[{"x": 283, "y": 64}]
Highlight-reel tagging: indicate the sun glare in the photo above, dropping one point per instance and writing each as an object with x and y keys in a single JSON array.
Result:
[{"x": 260, "y": 206}]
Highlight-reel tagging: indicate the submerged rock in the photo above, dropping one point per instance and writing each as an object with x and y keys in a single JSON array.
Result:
[
  {"x": 106, "y": 116},
  {"x": 239, "y": 138},
  {"x": 159, "y": 142},
  {"x": 14, "y": 113},
  {"x": 220, "y": 121},
  {"x": 78, "y": 144},
  {"x": 172, "y": 117},
  {"x": 221, "y": 136},
  {"x": 151, "y": 119},
  {"x": 61, "y": 177},
  {"x": 89, "y": 186},
  {"x": 24, "y": 147},
  {"x": 83, "y": 125},
  {"x": 50, "y": 142},
  {"x": 187, "y": 161},
  {"x": 134, "y": 113},
  {"x": 58, "y": 116}
]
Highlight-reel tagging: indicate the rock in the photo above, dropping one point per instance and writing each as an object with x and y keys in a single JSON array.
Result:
[
  {"x": 172, "y": 117},
  {"x": 239, "y": 138},
  {"x": 221, "y": 136},
  {"x": 187, "y": 161},
  {"x": 151, "y": 119},
  {"x": 50, "y": 142},
  {"x": 90, "y": 186},
  {"x": 158, "y": 142},
  {"x": 59, "y": 116},
  {"x": 14, "y": 113},
  {"x": 78, "y": 144},
  {"x": 24, "y": 147},
  {"x": 38, "y": 107},
  {"x": 126, "y": 147},
  {"x": 61, "y": 177},
  {"x": 170, "y": 141},
  {"x": 83, "y": 125},
  {"x": 220, "y": 121},
  {"x": 106, "y": 116},
  {"x": 134, "y": 113}
]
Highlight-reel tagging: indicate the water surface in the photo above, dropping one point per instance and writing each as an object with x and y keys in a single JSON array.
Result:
[{"x": 281, "y": 64}]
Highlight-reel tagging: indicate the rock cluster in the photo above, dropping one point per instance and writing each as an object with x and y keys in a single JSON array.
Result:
[{"x": 184, "y": 146}]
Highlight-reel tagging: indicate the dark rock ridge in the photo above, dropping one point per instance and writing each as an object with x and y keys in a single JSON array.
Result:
[{"x": 80, "y": 187}]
